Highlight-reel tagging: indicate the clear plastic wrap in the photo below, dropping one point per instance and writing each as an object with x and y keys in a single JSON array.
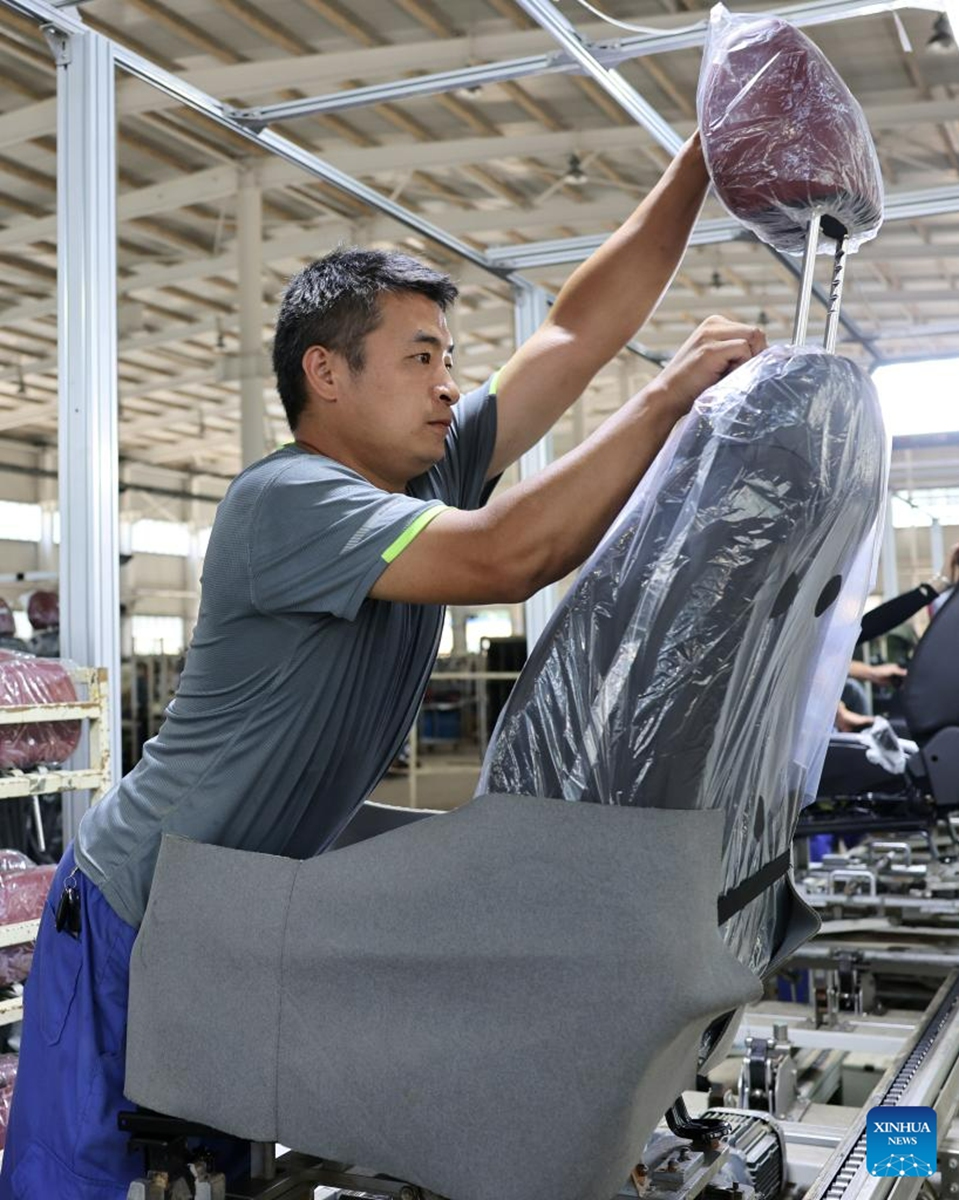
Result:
[
  {"x": 43, "y": 610},
  {"x": 14, "y": 860},
  {"x": 8, "y": 1077},
  {"x": 25, "y": 679},
  {"x": 23, "y": 892},
  {"x": 15, "y": 963},
  {"x": 8, "y": 627},
  {"x": 783, "y": 135},
  {"x": 698, "y": 660}
]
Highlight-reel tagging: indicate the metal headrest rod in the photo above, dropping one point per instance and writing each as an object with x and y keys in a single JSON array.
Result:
[
  {"x": 835, "y": 294},
  {"x": 801, "y": 321}
]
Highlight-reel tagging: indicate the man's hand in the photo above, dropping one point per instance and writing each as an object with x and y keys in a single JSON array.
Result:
[
  {"x": 884, "y": 674},
  {"x": 881, "y": 675},
  {"x": 717, "y": 347},
  {"x": 851, "y": 722}
]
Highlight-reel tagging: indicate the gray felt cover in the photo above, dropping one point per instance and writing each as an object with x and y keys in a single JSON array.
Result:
[{"x": 495, "y": 1004}]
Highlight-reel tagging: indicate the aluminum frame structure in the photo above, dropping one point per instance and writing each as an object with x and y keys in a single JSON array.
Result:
[
  {"x": 88, "y": 409},
  {"x": 531, "y": 306},
  {"x": 608, "y": 54}
]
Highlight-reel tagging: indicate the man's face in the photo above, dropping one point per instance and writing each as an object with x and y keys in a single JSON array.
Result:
[{"x": 396, "y": 412}]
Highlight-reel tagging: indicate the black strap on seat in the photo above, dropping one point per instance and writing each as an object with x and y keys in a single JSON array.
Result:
[{"x": 729, "y": 903}]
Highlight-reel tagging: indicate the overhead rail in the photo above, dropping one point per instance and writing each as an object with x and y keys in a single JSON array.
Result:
[
  {"x": 608, "y": 54},
  {"x": 66, "y": 22},
  {"x": 576, "y": 54},
  {"x": 902, "y": 206}
]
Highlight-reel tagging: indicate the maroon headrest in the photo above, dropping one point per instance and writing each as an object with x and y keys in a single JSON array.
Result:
[
  {"x": 7, "y": 626},
  {"x": 25, "y": 679},
  {"x": 783, "y": 135},
  {"x": 43, "y": 609}
]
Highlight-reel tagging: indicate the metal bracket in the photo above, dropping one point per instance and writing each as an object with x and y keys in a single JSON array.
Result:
[
  {"x": 767, "y": 1080},
  {"x": 59, "y": 43},
  {"x": 835, "y": 290},
  {"x": 831, "y": 228}
]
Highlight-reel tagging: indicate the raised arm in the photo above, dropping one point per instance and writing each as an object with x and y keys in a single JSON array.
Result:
[
  {"x": 543, "y": 528},
  {"x": 599, "y": 308}
]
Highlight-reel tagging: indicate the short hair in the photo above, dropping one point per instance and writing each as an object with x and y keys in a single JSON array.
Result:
[{"x": 334, "y": 302}]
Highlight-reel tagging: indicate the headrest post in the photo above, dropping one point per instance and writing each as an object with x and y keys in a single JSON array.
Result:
[
  {"x": 835, "y": 295},
  {"x": 808, "y": 274}
]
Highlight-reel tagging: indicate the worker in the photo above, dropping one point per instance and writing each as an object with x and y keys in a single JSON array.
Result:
[{"x": 320, "y": 613}]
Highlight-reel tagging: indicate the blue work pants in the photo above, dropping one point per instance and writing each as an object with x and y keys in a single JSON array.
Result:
[{"x": 62, "y": 1141}]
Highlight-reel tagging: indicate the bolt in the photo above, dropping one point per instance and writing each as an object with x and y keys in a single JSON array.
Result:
[{"x": 953, "y": 1163}]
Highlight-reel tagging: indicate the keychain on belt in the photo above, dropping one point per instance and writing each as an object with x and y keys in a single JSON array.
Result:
[{"x": 68, "y": 906}]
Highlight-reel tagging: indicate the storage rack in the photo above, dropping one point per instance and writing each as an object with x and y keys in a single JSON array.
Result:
[{"x": 42, "y": 781}]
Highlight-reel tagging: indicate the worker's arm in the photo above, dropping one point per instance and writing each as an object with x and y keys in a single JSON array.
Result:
[
  {"x": 880, "y": 674},
  {"x": 599, "y": 308},
  {"x": 885, "y": 617},
  {"x": 544, "y": 527}
]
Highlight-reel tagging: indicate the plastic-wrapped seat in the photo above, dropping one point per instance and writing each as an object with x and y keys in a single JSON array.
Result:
[{"x": 698, "y": 659}]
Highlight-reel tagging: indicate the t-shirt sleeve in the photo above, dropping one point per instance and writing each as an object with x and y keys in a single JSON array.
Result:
[
  {"x": 459, "y": 480},
  {"x": 321, "y": 535}
]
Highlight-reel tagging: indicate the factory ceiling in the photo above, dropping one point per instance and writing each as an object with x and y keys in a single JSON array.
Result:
[{"x": 540, "y": 155}]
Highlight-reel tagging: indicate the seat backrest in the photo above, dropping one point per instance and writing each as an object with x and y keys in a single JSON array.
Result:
[
  {"x": 930, "y": 693},
  {"x": 783, "y": 135},
  {"x": 698, "y": 659}
]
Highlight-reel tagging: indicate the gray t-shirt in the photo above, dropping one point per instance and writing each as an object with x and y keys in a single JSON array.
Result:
[{"x": 298, "y": 690}]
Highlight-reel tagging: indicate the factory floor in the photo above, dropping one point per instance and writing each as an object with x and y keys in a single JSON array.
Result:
[{"x": 441, "y": 781}]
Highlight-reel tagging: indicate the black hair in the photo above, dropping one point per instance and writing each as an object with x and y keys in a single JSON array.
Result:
[{"x": 334, "y": 302}]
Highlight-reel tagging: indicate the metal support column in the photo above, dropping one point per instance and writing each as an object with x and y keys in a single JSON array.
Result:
[
  {"x": 250, "y": 247},
  {"x": 801, "y": 320},
  {"x": 890, "y": 567},
  {"x": 529, "y": 314},
  {"x": 937, "y": 546},
  {"x": 88, "y": 440},
  {"x": 47, "y": 489}
]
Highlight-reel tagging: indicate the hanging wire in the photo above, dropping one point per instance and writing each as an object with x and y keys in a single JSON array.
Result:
[{"x": 653, "y": 29}]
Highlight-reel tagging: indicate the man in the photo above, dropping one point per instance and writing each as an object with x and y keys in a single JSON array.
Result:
[{"x": 319, "y": 618}]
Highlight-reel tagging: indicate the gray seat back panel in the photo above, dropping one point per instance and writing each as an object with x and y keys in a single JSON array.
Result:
[
  {"x": 205, "y": 981},
  {"x": 496, "y": 1004}
]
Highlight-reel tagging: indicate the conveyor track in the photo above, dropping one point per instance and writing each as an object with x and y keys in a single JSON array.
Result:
[{"x": 853, "y": 1158}]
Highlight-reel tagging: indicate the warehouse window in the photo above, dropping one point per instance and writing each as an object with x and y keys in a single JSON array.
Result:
[
  {"x": 446, "y": 637},
  {"x": 494, "y": 622},
  {"x": 918, "y": 397},
  {"x": 160, "y": 537},
  {"x": 920, "y": 507},
  {"x": 157, "y": 635},
  {"x": 19, "y": 522}
]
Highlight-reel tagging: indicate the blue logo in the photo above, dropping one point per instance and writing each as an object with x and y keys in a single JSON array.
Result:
[{"x": 901, "y": 1141}]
